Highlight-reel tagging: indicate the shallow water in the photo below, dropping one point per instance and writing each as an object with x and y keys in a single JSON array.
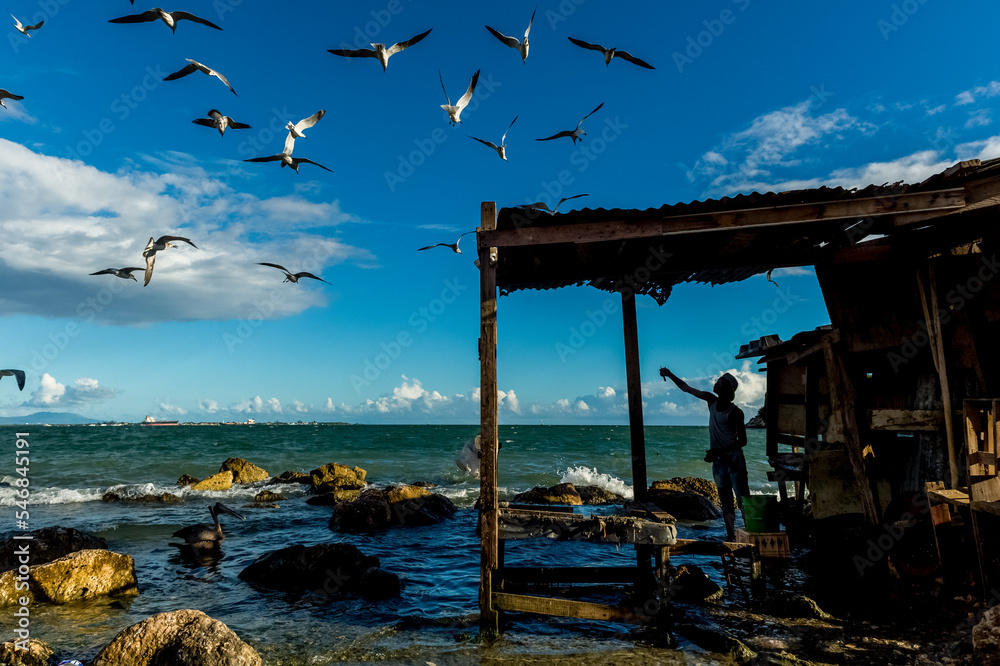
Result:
[{"x": 435, "y": 617}]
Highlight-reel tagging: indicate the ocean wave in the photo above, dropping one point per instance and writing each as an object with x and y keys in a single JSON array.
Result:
[
  {"x": 132, "y": 491},
  {"x": 581, "y": 475}
]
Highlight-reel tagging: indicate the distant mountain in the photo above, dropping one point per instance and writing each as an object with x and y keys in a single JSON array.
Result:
[{"x": 60, "y": 418}]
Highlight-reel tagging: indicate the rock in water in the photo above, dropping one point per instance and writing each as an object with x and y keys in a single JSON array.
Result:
[
  {"x": 334, "y": 475},
  {"x": 598, "y": 495},
  {"x": 162, "y": 498},
  {"x": 691, "y": 584},
  {"x": 243, "y": 471},
  {"x": 186, "y": 480},
  {"x": 83, "y": 575},
  {"x": 986, "y": 638},
  {"x": 692, "y": 484},
  {"x": 686, "y": 505},
  {"x": 220, "y": 481},
  {"x": 47, "y": 544},
  {"x": 292, "y": 477},
  {"x": 369, "y": 511},
  {"x": 36, "y": 654},
  {"x": 179, "y": 638},
  {"x": 561, "y": 493},
  {"x": 268, "y": 496}
]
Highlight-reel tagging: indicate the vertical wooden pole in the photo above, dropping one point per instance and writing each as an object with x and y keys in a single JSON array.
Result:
[
  {"x": 488, "y": 508},
  {"x": 634, "y": 385}
]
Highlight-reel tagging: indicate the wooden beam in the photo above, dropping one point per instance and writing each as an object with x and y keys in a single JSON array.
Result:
[
  {"x": 640, "y": 487},
  {"x": 488, "y": 446},
  {"x": 941, "y": 201},
  {"x": 905, "y": 420},
  {"x": 522, "y": 603}
]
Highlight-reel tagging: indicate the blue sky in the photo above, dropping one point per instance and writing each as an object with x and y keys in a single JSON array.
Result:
[{"x": 101, "y": 154}]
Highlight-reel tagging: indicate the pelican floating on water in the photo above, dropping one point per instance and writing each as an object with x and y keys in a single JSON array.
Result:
[
  {"x": 202, "y": 536},
  {"x": 16, "y": 374}
]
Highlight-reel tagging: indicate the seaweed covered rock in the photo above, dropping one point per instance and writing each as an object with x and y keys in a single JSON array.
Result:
[
  {"x": 243, "y": 471},
  {"x": 31, "y": 652},
  {"x": 292, "y": 477},
  {"x": 324, "y": 570},
  {"x": 178, "y": 638},
  {"x": 561, "y": 493},
  {"x": 186, "y": 480},
  {"x": 79, "y": 576},
  {"x": 268, "y": 496},
  {"x": 47, "y": 544},
  {"x": 692, "y": 484},
  {"x": 220, "y": 481},
  {"x": 334, "y": 475},
  {"x": 162, "y": 498}
]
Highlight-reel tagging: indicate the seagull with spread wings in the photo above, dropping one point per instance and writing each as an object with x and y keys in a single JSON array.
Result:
[
  {"x": 16, "y": 374},
  {"x": 170, "y": 18},
  {"x": 23, "y": 29},
  {"x": 611, "y": 53},
  {"x": 296, "y": 129},
  {"x": 196, "y": 66},
  {"x": 285, "y": 157},
  {"x": 154, "y": 246},
  {"x": 514, "y": 42},
  {"x": 576, "y": 133},
  {"x": 219, "y": 122},
  {"x": 541, "y": 205},
  {"x": 502, "y": 148},
  {"x": 292, "y": 277},
  {"x": 4, "y": 94},
  {"x": 455, "y": 112},
  {"x": 380, "y": 53},
  {"x": 125, "y": 273},
  {"x": 453, "y": 246}
]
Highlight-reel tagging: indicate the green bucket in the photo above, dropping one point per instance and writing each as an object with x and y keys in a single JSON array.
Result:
[{"x": 760, "y": 513}]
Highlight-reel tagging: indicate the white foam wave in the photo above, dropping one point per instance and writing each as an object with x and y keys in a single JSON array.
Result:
[
  {"x": 581, "y": 475},
  {"x": 129, "y": 491}
]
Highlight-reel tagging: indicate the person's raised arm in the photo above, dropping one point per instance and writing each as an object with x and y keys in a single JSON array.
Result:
[{"x": 707, "y": 396}]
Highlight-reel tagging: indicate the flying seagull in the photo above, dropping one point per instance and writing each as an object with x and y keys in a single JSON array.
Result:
[
  {"x": 4, "y": 94},
  {"x": 453, "y": 246},
  {"x": 455, "y": 112},
  {"x": 219, "y": 122},
  {"x": 23, "y": 29},
  {"x": 304, "y": 124},
  {"x": 292, "y": 277},
  {"x": 285, "y": 157},
  {"x": 541, "y": 205},
  {"x": 195, "y": 66},
  {"x": 16, "y": 374},
  {"x": 202, "y": 535},
  {"x": 514, "y": 42},
  {"x": 612, "y": 53},
  {"x": 573, "y": 134},
  {"x": 125, "y": 273},
  {"x": 152, "y": 247},
  {"x": 379, "y": 51},
  {"x": 502, "y": 148},
  {"x": 170, "y": 18}
]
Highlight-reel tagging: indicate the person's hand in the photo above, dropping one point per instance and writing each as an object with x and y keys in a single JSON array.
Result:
[{"x": 664, "y": 373}]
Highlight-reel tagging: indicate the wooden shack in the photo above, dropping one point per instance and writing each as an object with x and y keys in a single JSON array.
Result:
[{"x": 907, "y": 272}]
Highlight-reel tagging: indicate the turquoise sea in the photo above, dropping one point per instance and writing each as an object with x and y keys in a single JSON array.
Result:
[{"x": 435, "y": 618}]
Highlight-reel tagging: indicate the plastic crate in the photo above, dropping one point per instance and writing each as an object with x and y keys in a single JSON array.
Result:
[{"x": 770, "y": 544}]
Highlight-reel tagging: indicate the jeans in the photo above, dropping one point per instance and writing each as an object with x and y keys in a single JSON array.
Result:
[{"x": 730, "y": 473}]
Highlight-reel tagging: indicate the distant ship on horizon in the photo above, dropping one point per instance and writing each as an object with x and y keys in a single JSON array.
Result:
[{"x": 150, "y": 421}]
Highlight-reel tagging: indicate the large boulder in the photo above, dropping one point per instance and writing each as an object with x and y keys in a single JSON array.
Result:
[
  {"x": 370, "y": 511},
  {"x": 692, "y": 484},
  {"x": 243, "y": 471},
  {"x": 562, "y": 493},
  {"x": 986, "y": 638},
  {"x": 334, "y": 497},
  {"x": 268, "y": 496},
  {"x": 325, "y": 570},
  {"x": 334, "y": 475},
  {"x": 685, "y": 505},
  {"x": 598, "y": 495},
  {"x": 179, "y": 638},
  {"x": 220, "y": 481},
  {"x": 395, "y": 505},
  {"x": 46, "y": 544},
  {"x": 403, "y": 493},
  {"x": 83, "y": 575},
  {"x": 30, "y": 652}
]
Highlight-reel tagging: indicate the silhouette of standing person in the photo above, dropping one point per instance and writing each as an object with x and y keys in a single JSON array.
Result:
[{"x": 727, "y": 436}]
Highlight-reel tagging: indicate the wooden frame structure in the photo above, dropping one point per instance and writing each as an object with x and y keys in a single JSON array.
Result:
[{"x": 647, "y": 252}]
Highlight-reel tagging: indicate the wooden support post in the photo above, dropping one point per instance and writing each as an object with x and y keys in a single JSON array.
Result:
[
  {"x": 489, "y": 516},
  {"x": 634, "y": 385},
  {"x": 843, "y": 410}
]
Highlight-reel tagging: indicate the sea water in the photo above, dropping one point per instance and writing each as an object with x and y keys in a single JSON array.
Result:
[{"x": 434, "y": 619}]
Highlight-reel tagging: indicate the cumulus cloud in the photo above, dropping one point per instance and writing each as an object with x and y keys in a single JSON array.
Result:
[
  {"x": 991, "y": 89},
  {"x": 208, "y": 406},
  {"x": 52, "y": 393},
  {"x": 61, "y": 214},
  {"x": 173, "y": 410}
]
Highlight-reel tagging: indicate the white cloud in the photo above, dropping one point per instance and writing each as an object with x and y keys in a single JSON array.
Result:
[
  {"x": 173, "y": 410},
  {"x": 64, "y": 219},
  {"x": 329, "y": 405},
  {"x": 979, "y": 118},
  {"x": 52, "y": 393},
  {"x": 991, "y": 89},
  {"x": 49, "y": 393},
  {"x": 209, "y": 406}
]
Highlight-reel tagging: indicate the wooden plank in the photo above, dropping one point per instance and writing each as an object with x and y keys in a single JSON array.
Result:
[
  {"x": 488, "y": 498},
  {"x": 578, "y": 527},
  {"x": 640, "y": 487},
  {"x": 566, "y": 575},
  {"x": 584, "y": 610},
  {"x": 699, "y": 547},
  {"x": 905, "y": 420},
  {"x": 792, "y": 419},
  {"x": 939, "y": 202},
  {"x": 951, "y": 496}
]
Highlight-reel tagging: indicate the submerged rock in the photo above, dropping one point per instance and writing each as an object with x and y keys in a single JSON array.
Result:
[
  {"x": 186, "y": 480},
  {"x": 268, "y": 496},
  {"x": 33, "y": 653},
  {"x": 79, "y": 576},
  {"x": 220, "y": 481},
  {"x": 47, "y": 544},
  {"x": 692, "y": 585},
  {"x": 324, "y": 570},
  {"x": 335, "y": 497},
  {"x": 334, "y": 475},
  {"x": 292, "y": 477},
  {"x": 162, "y": 498},
  {"x": 179, "y": 638},
  {"x": 243, "y": 471},
  {"x": 561, "y": 493}
]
